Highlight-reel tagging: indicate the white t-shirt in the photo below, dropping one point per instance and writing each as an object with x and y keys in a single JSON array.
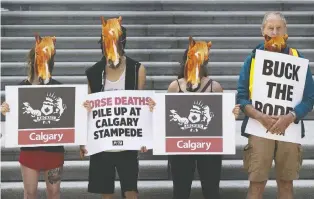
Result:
[{"x": 116, "y": 85}]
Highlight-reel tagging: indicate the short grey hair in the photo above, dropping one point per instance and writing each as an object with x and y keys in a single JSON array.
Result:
[{"x": 276, "y": 13}]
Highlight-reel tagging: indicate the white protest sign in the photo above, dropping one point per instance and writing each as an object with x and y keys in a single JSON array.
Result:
[
  {"x": 45, "y": 115},
  {"x": 278, "y": 85},
  {"x": 194, "y": 123},
  {"x": 119, "y": 120}
]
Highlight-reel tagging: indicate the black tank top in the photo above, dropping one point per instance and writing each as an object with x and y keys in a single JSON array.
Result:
[
  {"x": 95, "y": 75},
  {"x": 43, "y": 148},
  {"x": 203, "y": 90}
]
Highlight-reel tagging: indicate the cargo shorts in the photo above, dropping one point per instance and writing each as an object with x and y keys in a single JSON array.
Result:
[{"x": 259, "y": 153}]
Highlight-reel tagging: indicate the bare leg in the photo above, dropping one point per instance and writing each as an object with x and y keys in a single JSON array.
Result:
[
  {"x": 131, "y": 195},
  {"x": 53, "y": 180},
  {"x": 107, "y": 196},
  {"x": 30, "y": 181},
  {"x": 285, "y": 189},
  {"x": 256, "y": 190}
]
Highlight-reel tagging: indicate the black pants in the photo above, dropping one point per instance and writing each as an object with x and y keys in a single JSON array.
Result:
[
  {"x": 183, "y": 169},
  {"x": 102, "y": 172}
]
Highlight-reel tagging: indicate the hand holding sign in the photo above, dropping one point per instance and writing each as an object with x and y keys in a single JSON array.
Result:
[
  {"x": 236, "y": 111},
  {"x": 87, "y": 105},
  {"x": 283, "y": 122},
  {"x": 151, "y": 104},
  {"x": 83, "y": 151},
  {"x": 5, "y": 108},
  {"x": 267, "y": 121}
]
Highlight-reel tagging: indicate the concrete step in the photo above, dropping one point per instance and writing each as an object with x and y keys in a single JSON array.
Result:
[
  {"x": 157, "y": 5},
  {"x": 142, "y": 55},
  {"x": 149, "y": 170},
  {"x": 164, "y": 30},
  {"x": 152, "y": 68},
  {"x": 154, "y": 42},
  {"x": 235, "y": 189},
  {"x": 148, "y": 17},
  {"x": 72, "y": 152}
]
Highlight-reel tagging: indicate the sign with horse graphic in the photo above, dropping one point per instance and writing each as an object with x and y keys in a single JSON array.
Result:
[
  {"x": 49, "y": 115},
  {"x": 197, "y": 123}
]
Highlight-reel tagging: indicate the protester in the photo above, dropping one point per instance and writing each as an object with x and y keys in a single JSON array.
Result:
[
  {"x": 260, "y": 152},
  {"x": 193, "y": 77},
  {"x": 49, "y": 159},
  {"x": 115, "y": 71}
]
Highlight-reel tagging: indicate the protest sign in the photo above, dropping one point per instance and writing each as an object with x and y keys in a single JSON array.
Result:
[
  {"x": 278, "y": 84},
  {"x": 119, "y": 120},
  {"x": 49, "y": 115},
  {"x": 194, "y": 123}
]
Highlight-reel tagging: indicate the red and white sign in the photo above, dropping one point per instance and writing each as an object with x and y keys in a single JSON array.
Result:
[
  {"x": 45, "y": 115},
  {"x": 197, "y": 123}
]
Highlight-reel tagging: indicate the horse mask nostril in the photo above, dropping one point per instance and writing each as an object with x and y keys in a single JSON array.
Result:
[
  {"x": 189, "y": 84},
  {"x": 41, "y": 80}
]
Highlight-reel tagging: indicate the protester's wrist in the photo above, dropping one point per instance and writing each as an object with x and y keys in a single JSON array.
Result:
[
  {"x": 293, "y": 116},
  {"x": 258, "y": 115}
]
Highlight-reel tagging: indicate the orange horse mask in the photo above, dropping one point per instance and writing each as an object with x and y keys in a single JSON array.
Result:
[
  {"x": 111, "y": 39},
  {"x": 275, "y": 44},
  {"x": 197, "y": 57},
  {"x": 44, "y": 53}
]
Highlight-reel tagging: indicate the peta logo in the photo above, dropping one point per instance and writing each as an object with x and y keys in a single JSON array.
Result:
[
  {"x": 117, "y": 143},
  {"x": 199, "y": 117},
  {"x": 51, "y": 109}
]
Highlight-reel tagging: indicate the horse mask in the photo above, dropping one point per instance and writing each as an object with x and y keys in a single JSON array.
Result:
[
  {"x": 113, "y": 37},
  {"x": 44, "y": 53},
  {"x": 197, "y": 57},
  {"x": 275, "y": 44}
]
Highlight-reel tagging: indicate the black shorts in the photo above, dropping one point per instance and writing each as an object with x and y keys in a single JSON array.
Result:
[{"x": 102, "y": 171}]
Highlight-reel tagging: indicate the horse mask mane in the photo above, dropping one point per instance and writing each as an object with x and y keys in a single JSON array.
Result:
[
  {"x": 44, "y": 54},
  {"x": 113, "y": 37},
  {"x": 275, "y": 44},
  {"x": 197, "y": 57}
]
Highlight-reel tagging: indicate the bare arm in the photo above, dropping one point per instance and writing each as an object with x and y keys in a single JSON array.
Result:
[
  {"x": 89, "y": 90},
  {"x": 173, "y": 87},
  {"x": 141, "y": 78},
  {"x": 217, "y": 88}
]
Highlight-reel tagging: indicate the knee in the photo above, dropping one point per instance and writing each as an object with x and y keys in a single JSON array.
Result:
[
  {"x": 257, "y": 188},
  {"x": 30, "y": 194},
  {"x": 130, "y": 195},
  {"x": 53, "y": 191},
  {"x": 286, "y": 185}
]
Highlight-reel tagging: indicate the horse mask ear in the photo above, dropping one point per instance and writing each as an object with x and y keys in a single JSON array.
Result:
[
  {"x": 37, "y": 38},
  {"x": 120, "y": 20},
  {"x": 54, "y": 40},
  {"x": 209, "y": 44},
  {"x": 103, "y": 21},
  {"x": 191, "y": 42}
]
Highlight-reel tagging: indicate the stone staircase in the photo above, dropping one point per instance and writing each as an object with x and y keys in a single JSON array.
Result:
[{"x": 157, "y": 36}]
